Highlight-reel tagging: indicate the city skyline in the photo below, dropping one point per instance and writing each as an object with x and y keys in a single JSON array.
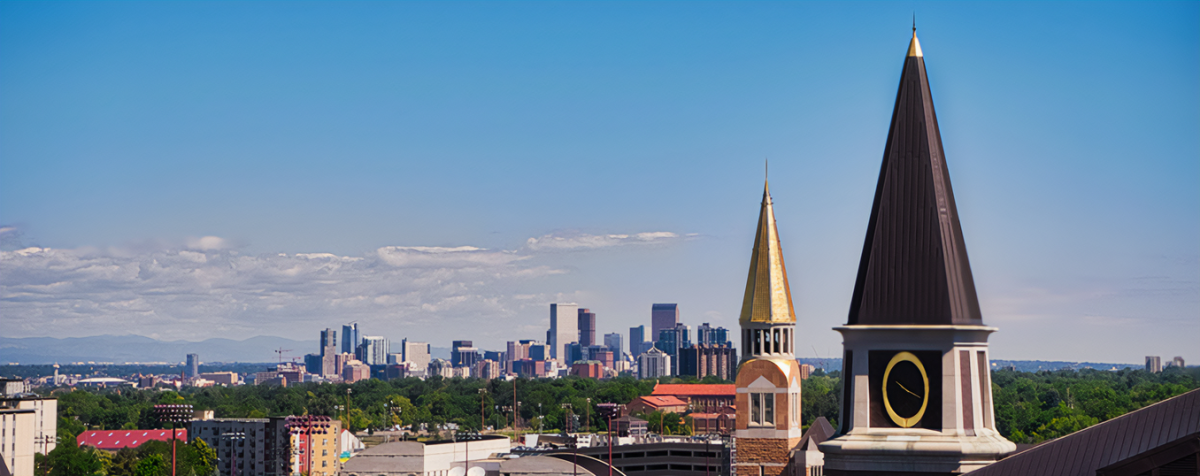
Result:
[{"x": 434, "y": 182}]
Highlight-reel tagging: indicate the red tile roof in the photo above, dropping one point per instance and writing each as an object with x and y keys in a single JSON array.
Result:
[
  {"x": 695, "y": 389},
  {"x": 117, "y": 439},
  {"x": 653, "y": 401}
]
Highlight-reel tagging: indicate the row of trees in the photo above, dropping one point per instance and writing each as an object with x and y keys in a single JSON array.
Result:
[{"x": 1030, "y": 407}]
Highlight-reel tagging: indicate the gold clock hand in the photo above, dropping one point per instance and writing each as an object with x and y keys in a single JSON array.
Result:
[{"x": 907, "y": 390}]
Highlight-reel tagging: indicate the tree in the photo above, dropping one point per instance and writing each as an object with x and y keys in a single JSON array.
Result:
[
  {"x": 152, "y": 465},
  {"x": 68, "y": 459}
]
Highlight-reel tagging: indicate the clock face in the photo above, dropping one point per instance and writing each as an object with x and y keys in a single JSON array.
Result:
[{"x": 905, "y": 389}]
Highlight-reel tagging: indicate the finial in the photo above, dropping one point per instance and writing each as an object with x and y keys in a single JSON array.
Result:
[
  {"x": 914, "y": 48},
  {"x": 766, "y": 173},
  {"x": 914, "y": 22}
]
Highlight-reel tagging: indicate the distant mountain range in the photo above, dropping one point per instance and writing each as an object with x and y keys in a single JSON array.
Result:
[{"x": 133, "y": 348}]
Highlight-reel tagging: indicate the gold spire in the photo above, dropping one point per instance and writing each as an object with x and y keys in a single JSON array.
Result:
[
  {"x": 914, "y": 48},
  {"x": 768, "y": 298}
]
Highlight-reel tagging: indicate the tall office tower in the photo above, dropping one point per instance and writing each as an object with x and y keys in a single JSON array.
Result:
[
  {"x": 663, "y": 317},
  {"x": 637, "y": 341},
  {"x": 350, "y": 338},
  {"x": 415, "y": 353},
  {"x": 564, "y": 322},
  {"x": 916, "y": 385},
  {"x": 463, "y": 353},
  {"x": 538, "y": 351},
  {"x": 193, "y": 365},
  {"x": 516, "y": 351},
  {"x": 329, "y": 353},
  {"x": 587, "y": 327},
  {"x": 672, "y": 341},
  {"x": 1153, "y": 363},
  {"x": 373, "y": 350},
  {"x": 706, "y": 334},
  {"x": 1178, "y": 361},
  {"x": 613, "y": 342}
]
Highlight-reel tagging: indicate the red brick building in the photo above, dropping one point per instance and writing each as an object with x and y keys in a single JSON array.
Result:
[{"x": 704, "y": 398}]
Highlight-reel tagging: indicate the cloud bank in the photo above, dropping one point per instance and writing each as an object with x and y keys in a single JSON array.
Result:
[{"x": 206, "y": 288}]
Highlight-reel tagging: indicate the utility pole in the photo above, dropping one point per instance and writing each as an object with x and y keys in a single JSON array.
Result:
[{"x": 482, "y": 392}]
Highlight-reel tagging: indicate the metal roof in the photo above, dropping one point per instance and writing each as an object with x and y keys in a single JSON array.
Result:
[
  {"x": 117, "y": 439},
  {"x": 914, "y": 267},
  {"x": 768, "y": 298},
  {"x": 1114, "y": 441}
]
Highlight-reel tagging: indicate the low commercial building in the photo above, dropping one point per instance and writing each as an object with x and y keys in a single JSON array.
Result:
[
  {"x": 405, "y": 458},
  {"x": 226, "y": 378}
]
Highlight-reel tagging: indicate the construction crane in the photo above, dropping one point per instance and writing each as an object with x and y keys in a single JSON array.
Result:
[{"x": 280, "y": 351}]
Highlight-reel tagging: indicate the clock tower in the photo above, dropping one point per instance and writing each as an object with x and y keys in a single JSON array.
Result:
[{"x": 916, "y": 387}]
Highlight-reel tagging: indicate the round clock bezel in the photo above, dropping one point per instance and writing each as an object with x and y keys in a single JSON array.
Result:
[{"x": 899, "y": 420}]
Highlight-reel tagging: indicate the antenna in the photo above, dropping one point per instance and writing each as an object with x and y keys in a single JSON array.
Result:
[{"x": 914, "y": 21}]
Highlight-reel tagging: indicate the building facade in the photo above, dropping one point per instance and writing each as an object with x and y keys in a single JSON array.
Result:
[
  {"x": 672, "y": 341},
  {"x": 704, "y": 360},
  {"x": 1153, "y": 363},
  {"x": 416, "y": 353},
  {"x": 329, "y": 352},
  {"x": 350, "y": 338},
  {"x": 654, "y": 364},
  {"x": 193, "y": 365},
  {"x": 564, "y": 329},
  {"x": 253, "y": 445},
  {"x": 373, "y": 350},
  {"x": 614, "y": 344},
  {"x": 663, "y": 317},
  {"x": 587, "y": 327}
]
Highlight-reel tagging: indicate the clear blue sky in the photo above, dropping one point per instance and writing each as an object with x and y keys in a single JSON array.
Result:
[{"x": 130, "y": 130}]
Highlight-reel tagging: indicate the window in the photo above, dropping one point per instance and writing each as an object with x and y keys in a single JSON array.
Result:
[
  {"x": 762, "y": 409},
  {"x": 795, "y": 408}
]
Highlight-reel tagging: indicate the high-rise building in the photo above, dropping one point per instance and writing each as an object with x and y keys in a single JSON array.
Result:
[
  {"x": 350, "y": 338},
  {"x": 587, "y": 327},
  {"x": 672, "y": 341},
  {"x": 613, "y": 342},
  {"x": 486, "y": 369},
  {"x": 330, "y": 367},
  {"x": 638, "y": 344},
  {"x": 706, "y": 334},
  {"x": 1178, "y": 362},
  {"x": 1153, "y": 363},
  {"x": 463, "y": 353},
  {"x": 564, "y": 323},
  {"x": 373, "y": 350},
  {"x": 916, "y": 379},
  {"x": 654, "y": 363},
  {"x": 704, "y": 360},
  {"x": 193, "y": 365},
  {"x": 415, "y": 353},
  {"x": 663, "y": 317},
  {"x": 539, "y": 351}
]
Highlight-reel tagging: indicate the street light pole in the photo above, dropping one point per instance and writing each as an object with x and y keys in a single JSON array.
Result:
[{"x": 482, "y": 392}]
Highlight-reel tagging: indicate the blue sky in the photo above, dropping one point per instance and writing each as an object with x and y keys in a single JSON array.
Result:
[{"x": 626, "y": 139}]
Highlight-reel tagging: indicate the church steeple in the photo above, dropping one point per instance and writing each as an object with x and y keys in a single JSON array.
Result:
[
  {"x": 768, "y": 298},
  {"x": 914, "y": 267}
]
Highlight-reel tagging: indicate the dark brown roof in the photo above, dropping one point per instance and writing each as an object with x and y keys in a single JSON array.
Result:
[
  {"x": 820, "y": 431},
  {"x": 1118, "y": 440},
  {"x": 914, "y": 267}
]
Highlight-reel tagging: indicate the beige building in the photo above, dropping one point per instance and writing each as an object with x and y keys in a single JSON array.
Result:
[{"x": 16, "y": 441}]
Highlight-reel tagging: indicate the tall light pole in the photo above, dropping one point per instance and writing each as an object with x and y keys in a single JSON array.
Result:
[
  {"x": 175, "y": 414},
  {"x": 587, "y": 424}
]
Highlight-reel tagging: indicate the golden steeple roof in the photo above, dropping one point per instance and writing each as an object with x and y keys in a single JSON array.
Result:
[{"x": 768, "y": 298}]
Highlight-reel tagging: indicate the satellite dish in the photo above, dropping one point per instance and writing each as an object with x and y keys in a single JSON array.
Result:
[
  {"x": 457, "y": 471},
  {"x": 476, "y": 471}
]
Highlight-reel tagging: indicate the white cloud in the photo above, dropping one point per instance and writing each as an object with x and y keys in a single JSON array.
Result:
[
  {"x": 205, "y": 288},
  {"x": 580, "y": 241}
]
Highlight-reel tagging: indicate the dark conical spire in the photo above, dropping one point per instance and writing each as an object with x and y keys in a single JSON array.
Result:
[{"x": 914, "y": 267}]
